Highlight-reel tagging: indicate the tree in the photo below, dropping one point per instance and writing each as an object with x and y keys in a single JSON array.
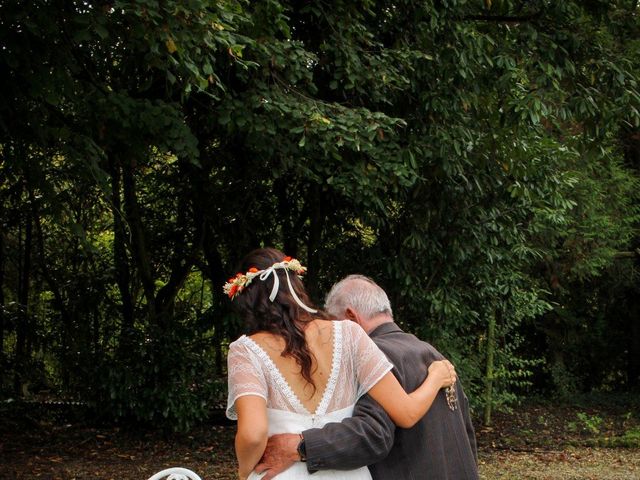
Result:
[{"x": 467, "y": 155}]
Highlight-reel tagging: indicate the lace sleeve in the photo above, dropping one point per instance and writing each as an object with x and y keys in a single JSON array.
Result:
[
  {"x": 245, "y": 376},
  {"x": 370, "y": 363}
]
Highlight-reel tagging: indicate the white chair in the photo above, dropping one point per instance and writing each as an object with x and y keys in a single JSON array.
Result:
[{"x": 175, "y": 473}]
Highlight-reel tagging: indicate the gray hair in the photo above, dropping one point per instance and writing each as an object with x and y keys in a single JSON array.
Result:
[{"x": 359, "y": 293}]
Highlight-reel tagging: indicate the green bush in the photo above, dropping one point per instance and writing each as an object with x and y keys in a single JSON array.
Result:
[{"x": 168, "y": 382}]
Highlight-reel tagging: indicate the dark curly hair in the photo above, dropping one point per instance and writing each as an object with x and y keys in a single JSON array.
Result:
[{"x": 283, "y": 316}]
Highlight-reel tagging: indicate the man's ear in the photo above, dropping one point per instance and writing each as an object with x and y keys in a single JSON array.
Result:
[{"x": 350, "y": 314}]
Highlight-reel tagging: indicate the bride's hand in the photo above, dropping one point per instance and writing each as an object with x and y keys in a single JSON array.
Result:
[{"x": 444, "y": 373}]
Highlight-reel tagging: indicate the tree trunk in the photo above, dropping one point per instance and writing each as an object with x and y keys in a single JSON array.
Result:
[
  {"x": 286, "y": 212},
  {"x": 138, "y": 243},
  {"x": 2, "y": 300},
  {"x": 218, "y": 337},
  {"x": 212, "y": 268},
  {"x": 22, "y": 329},
  {"x": 183, "y": 257},
  {"x": 313, "y": 245},
  {"x": 58, "y": 299},
  {"x": 488, "y": 391},
  {"x": 631, "y": 148},
  {"x": 123, "y": 274},
  {"x": 633, "y": 363}
]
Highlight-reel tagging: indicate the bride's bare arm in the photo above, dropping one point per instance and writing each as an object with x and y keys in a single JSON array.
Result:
[
  {"x": 251, "y": 438},
  {"x": 405, "y": 409}
]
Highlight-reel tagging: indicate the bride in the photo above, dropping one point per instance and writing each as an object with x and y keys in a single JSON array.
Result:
[{"x": 296, "y": 370}]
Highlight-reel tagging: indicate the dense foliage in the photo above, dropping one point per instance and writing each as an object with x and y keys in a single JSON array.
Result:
[{"x": 477, "y": 158}]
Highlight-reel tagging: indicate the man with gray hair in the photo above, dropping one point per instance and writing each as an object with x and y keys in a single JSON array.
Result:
[{"x": 441, "y": 446}]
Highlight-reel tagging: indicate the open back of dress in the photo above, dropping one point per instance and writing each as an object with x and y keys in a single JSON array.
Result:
[{"x": 357, "y": 365}]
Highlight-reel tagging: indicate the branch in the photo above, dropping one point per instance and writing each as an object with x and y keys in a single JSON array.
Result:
[
  {"x": 633, "y": 254},
  {"x": 167, "y": 294},
  {"x": 504, "y": 18},
  {"x": 134, "y": 219},
  {"x": 183, "y": 258}
]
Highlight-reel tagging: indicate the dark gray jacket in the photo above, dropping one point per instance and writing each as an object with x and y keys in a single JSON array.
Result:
[{"x": 441, "y": 446}]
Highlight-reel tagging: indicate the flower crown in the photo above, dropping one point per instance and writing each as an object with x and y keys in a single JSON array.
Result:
[{"x": 235, "y": 285}]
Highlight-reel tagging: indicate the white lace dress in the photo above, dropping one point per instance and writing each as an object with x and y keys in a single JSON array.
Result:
[{"x": 358, "y": 364}]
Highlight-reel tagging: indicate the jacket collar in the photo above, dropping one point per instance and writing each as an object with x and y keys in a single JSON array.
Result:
[{"x": 385, "y": 328}]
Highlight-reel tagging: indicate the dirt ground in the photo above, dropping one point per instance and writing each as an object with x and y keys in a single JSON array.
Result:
[
  {"x": 570, "y": 463},
  {"x": 532, "y": 442}
]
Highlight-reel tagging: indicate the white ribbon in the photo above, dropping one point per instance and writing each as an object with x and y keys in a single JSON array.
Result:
[{"x": 276, "y": 285}]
